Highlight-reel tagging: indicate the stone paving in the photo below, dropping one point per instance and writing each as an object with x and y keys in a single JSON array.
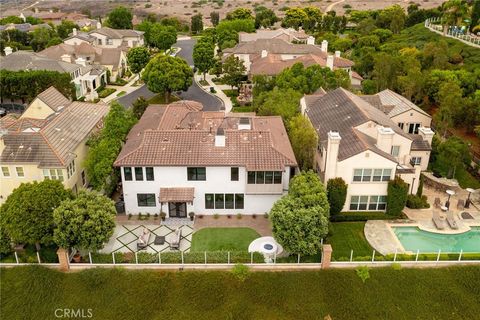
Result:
[{"x": 125, "y": 238}]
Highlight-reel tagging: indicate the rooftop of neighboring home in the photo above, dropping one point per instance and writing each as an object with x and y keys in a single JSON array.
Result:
[
  {"x": 102, "y": 56},
  {"x": 342, "y": 111},
  {"x": 117, "y": 33},
  {"x": 181, "y": 134},
  {"x": 275, "y": 46},
  {"x": 50, "y": 142},
  {"x": 24, "y": 27},
  {"x": 291, "y": 34},
  {"x": 392, "y": 103}
]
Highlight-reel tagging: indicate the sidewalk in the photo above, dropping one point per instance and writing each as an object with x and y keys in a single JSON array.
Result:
[
  {"x": 128, "y": 88},
  {"x": 219, "y": 93}
]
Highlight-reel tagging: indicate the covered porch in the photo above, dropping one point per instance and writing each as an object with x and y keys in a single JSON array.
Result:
[{"x": 176, "y": 202}]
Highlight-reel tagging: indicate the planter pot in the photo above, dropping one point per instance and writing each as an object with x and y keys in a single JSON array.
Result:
[{"x": 77, "y": 258}]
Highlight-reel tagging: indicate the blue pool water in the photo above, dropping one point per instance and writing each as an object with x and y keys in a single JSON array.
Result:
[{"x": 413, "y": 239}]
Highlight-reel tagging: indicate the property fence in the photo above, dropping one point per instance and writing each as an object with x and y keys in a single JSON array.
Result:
[{"x": 434, "y": 24}]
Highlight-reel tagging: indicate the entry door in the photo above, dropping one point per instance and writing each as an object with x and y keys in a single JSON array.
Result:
[{"x": 177, "y": 209}]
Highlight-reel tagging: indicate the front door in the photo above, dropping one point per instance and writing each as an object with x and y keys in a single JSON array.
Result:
[{"x": 177, "y": 209}]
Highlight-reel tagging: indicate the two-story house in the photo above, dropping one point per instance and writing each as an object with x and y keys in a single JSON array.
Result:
[
  {"x": 179, "y": 159},
  {"x": 48, "y": 141},
  {"x": 105, "y": 37},
  {"x": 361, "y": 144}
]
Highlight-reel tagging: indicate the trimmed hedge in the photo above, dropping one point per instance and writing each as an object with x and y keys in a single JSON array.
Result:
[
  {"x": 360, "y": 216},
  {"x": 106, "y": 92},
  {"x": 396, "y": 196},
  {"x": 416, "y": 202},
  {"x": 337, "y": 194}
]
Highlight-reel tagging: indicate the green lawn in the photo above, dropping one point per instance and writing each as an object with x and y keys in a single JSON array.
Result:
[
  {"x": 442, "y": 293},
  {"x": 346, "y": 236},
  {"x": 223, "y": 239}
]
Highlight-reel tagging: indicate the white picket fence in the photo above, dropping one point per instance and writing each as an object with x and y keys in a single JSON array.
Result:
[{"x": 435, "y": 25}]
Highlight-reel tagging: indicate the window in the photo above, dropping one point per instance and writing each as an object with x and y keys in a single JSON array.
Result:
[
  {"x": 401, "y": 124},
  {"x": 127, "y": 173},
  {"x": 20, "y": 172},
  {"x": 377, "y": 175},
  {"x": 239, "y": 201},
  {"x": 149, "y": 173},
  {"x": 234, "y": 174},
  {"x": 268, "y": 177},
  {"x": 416, "y": 161},
  {"x": 358, "y": 203},
  {"x": 251, "y": 177},
  {"x": 138, "y": 174},
  {"x": 386, "y": 174},
  {"x": 264, "y": 177},
  {"x": 219, "y": 201},
  {"x": 196, "y": 174},
  {"x": 71, "y": 169},
  {"x": 146, "y": 199},
  {"x": 357, "y": 174},
  {"x": 5, "y": 172},
  {"x": 362, "y": 203},
  {"x": 209, "y": 202},
  {"x": 109, "y": 41},
  {"x": 413, "y": 128},
  {"x": 84, "y": 178},
  {"x": 395, "y": 151},
  {"x": 377, "y": 203},
  {"x": 100, "y": 41},
  {"x": 53, "y": 174},
  {"x": 229, "y": 203},
  {"x": 260, "y": 177},
  {"x": 365, "y": 175},
  {"x": 277, "y": 177}
]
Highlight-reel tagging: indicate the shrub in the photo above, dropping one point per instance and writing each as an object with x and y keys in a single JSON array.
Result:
[
  {"x": 420, "y": 187},
  {"x": 416, "y": 202},
  {"x": 363, "y": 273},
  {"x": 396, "y": 196},
  {"x": 239, "y": 216},
  {"x": 336, "y": 194},
  {"x": 216, "y": 216},
  {"x": 240, "y": 271},
  {"x": 106, "y": 92}
]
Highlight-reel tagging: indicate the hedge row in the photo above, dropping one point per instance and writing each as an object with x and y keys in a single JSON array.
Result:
[{"x": 176, "y": 257}]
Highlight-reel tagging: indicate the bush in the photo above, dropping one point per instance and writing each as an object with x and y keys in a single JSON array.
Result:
[
  {"x": 105, "y": 92},
  {"x": 416, "y": 202},
  {"x": 240, "y": 271},
  {"x": 396, "y": 196},
  {"x": 336, "y": 194}
]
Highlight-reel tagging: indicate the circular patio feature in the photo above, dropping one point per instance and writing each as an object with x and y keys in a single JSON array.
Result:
[{"x": 267, "y": 246}]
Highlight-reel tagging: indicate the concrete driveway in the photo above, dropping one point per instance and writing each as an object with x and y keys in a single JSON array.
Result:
[{"x": 195, "y": 93}]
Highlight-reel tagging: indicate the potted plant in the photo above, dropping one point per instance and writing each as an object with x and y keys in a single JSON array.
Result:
[
  {"x": 254, "y": 216},
  {"x": 77, "y": 258},
  {"x": 155, "y": 217},
  {"x": 163, "y": 215},
  {"x": 191, "y": 214}
]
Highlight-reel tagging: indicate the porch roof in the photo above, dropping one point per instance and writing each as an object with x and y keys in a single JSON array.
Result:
[{"x": 176, "y": 194}]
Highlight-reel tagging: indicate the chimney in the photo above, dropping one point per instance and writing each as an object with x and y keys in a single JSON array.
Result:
[
  {"x": 81, "y": 61},
  {"x": 385, "y": 139},
  {"x": 36, "y": 10},
  {"x": 220, "y": 138},
  {"x": 330, "y": 61},
  {"x": 264, "y": 53},
  {"x": 99, "y": 24},
  {"x": 333, "y": 147},
  {"x": 324, "y": 46},
  {"x": 337, "y": 54},
  {"x": 22, "y": 16},
  {"x": 50, "y": 10},
  {"x": 244, "y": 124},
  {"x": 8, "y": 51},
  {"x": 311, "y": 40},
  {"x": 66, "y": 58},
  {"x": 426, "y": 134},
  {"x": 74, "y": 31}
]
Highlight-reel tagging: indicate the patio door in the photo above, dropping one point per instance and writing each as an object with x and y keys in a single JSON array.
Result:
[{"x": 177, "y": 209}]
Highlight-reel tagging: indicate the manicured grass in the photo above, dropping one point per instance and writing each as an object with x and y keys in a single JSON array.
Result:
[
  {"x": 106, "y": 92},
  {"x": 121, "y": 93},
  {"x": 243, "y": 109},
  {"x": 223, "y": 239},
  {"x": 443, "y": 293},
  {"x": 160, "y": 99},
  {"x": 346, "y": 236},
  {"x": 464, "y": 178}
]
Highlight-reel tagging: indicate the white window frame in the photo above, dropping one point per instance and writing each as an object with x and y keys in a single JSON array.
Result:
[
  {"x": 22, "y": 171},
  {"x": 365, "y": 203},
  {"x": 416, "y": 161},
  {"x": 53, "y": 174},
  {"x": 395, "y": 151},
  {"x": 368, "y": 174},
  {"x": 8, "y": 175}
]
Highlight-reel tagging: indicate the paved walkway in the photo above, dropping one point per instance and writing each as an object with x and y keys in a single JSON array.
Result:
[
  {"x": 381, "y": 237},
  {"x": 260, "y": 223},
  {"x": 128, "y": 88},
  {"x": 227, "y": 103}
]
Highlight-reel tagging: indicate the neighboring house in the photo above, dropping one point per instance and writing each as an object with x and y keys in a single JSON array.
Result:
[
  {"x": 271, "y": 56},
  {"x": 48, "y": 141},
  {"x": 87, "y": 78},
  {"x": 360, "y": 143},
  {"x": 57, "y": 17},
  {"x": 105, "y": 37},
  {"x": 180, "y": 159},
  {"x": 113, "y": 59},
  {"x": 24, "y": 27},
  {"x": 290, "y": 35}
]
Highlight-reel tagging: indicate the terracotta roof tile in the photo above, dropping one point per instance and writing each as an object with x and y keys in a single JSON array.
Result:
[{"x": 176, "y": 194}]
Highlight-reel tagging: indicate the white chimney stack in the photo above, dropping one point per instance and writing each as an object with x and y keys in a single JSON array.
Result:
[
  {"x": 99, "y": 24},
  {"x": 8, "y": 51},
  {"x": 337, "y": 54},
  {"x": 66, "y": 58},
  {"x": 264, "y": 53},
  {"x": 81, "y": 61},
  {"x": 385, "y": 139},
  {"x": 426, "y": 134},
  {"x": 22, "y": 16},
  {"x": 311, "y": 40},
  {"x": 333, "y": 146},
  {"x": 324, "y": 46},
  {"x": 220, "y": 138},
  {"x": 74, "y": 31},
  {"x": 330, "y": 61}
]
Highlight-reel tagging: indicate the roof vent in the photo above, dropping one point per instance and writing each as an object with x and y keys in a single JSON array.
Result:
[
  {"x": 244, "y": 124},
  {"x": 220, "y": 138}
]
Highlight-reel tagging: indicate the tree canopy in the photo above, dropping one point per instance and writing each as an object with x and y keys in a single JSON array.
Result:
[
  {"x": 304, "y": 141},
  {"x": 138, "y": 58},
  {"x": 65, "y": 28},
  {"x": 120, "y": 18},
  {"x": 233, "y": 71},
  {"x": 204, "y": 56},
  {"x": 196, "y": 24},
  {"x": 86, "y": 222}
]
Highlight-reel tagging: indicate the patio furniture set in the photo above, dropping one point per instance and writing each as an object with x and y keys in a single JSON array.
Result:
[
  {"x": 174, "y": 239},
  {"x": 441, "y": 221}
]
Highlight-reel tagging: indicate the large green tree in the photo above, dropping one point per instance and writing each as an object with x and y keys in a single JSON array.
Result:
[
  {"x": 139, "y": 106},
  {"x": 300, "y": 219},
  {"x": 233, "y": 71},
  {"x": 196, "y": 25},
  {"x": 162, "y": 37},
  {"x": 165, "y": 74},
  {"x": 215, "y": 18},
  {"x": 278, "y": 102},
  {"x": 27, "y": 214},
  {"x": 65, "y": 28},
  {"x": 138, "y": 58},
  {"x": 42, "y": 38},
  {"x": 120, "y": 18},
  {"x": 240, "y": 14},
  {"x": 304, "y": 141},
  {"x": 204, "y": 56},
  {"x": 264, "y": 17},
  {"x": 86, "y": 222}
]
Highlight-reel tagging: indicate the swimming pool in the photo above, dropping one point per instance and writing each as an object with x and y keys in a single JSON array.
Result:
[{"x": 413, "y": 239}]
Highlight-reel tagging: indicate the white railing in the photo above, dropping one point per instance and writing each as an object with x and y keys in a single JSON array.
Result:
[{"x": 434, "y": 24}]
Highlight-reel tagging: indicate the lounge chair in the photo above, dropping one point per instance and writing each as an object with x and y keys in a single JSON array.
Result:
[
  {"x": 437, "y": 203},
  {"x": 460, "y": 204},
  {"x": 438, "y": 221},
  {"x": 142, "y": 241},
  {"x": 451, "y": 220},
  {"x": 175, "y": 239}
]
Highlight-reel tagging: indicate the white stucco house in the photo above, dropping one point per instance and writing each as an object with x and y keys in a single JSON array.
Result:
[
  {"x": 367, "y": 145},
  {"x": 180, "y": 159},
  {"x": 104, "y": 37}
]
